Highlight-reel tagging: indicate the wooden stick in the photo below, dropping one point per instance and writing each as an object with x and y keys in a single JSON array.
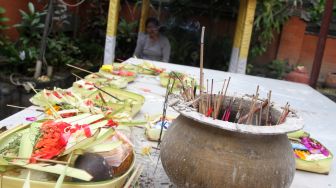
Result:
[
  {"x": 260, "y": 114},
  {"x": 243, "y": 118},
  {"x": 284, "y": 114},
  {"x": 268, "y": 106},
  {"x": 219, "y": 102},
  {"x": 239, "y": 109},
  {"x": 211, "y": 98},
  {"x": 80, "y": 69},
  {"x": 251, "y": 112},
  {"x": 254, "y": 100},
  {"x": 102, "y": 98},
  {"x": 22, "y": 107},
  {"x": 226, "y": 88}
]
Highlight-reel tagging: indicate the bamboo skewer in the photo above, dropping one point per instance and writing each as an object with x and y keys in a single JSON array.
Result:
[
  {"x": 284, "y": 114},
  {"x": 22, "y": 107},
  {"x": 81, "y": 69}
]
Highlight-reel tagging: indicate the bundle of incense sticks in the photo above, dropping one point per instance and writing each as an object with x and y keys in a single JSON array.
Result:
[{"x": 218, "y": 106}]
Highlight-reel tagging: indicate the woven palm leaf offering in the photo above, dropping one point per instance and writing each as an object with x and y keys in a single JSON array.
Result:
[
  {"x": 118, "y": 69},
  {"x": 80, "y": 151},
  {"x": 181, "y": 79},
  {"x": 149, "y": 68},
  {"x": 109, "y": 101},
  {"x": 226, "y": 139},
  {"x": 154, "y": 124},
  {"x": 90, "y": 83},
  {"x": 310, "y": 154}
]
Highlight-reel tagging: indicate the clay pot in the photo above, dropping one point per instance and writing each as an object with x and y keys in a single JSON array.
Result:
[
  {"x": 202, "y": 152},
  {"x": 299, "y": 74},
  {"x": 331, "y": 80}
]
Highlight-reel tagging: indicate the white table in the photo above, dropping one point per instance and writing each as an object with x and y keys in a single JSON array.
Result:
[{"x": 318, "y": 112}]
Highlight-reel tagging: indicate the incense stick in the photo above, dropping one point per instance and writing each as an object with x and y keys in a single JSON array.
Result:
[{"x": 268, "y": 106}]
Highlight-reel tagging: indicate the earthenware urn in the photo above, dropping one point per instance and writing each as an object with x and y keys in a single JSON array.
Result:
[{"x": 199, "y": 151}]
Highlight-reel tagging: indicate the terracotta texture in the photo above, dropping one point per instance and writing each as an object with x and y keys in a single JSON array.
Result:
[
  {"x": 197, "y": 155},
  {"x": 331, "y": 80},
  {"x": 300, "y": 74}
]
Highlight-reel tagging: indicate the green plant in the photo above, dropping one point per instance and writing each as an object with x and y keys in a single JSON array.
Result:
[
  {"x": 278, "y": 69},
  {"x": 270, "y": 16},
  {"x": 126, "y": 38},
  {"x": 24, "y": 51},
  {"x": 184, "y": 49},
  {"x": 31, "y": 26},
  {"x": 3, "y": 19},
  {"x": 61, "y": 50}
]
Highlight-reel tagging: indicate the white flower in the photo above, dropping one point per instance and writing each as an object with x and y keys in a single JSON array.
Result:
[{"x": 22, "y": 55}]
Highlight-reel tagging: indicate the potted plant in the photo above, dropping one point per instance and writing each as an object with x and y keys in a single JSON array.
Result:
[{"x": 299, "y": 74}]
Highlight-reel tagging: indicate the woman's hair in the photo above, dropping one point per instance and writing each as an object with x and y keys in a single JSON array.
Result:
[{"x": 153, "y": 21}]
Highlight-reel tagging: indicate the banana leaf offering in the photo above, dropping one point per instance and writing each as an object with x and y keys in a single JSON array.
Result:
[
  {"x": 181, "y": 79},
  {"x": 91, "y": 82},
  {"x": 153, "y": 128},
  {"x": 123, "y": 70},
  {"x": 109, "y": 101},
  {"x": 80, "y": 151},
  {"x": 149, "y": 68},
  {"x": 310, "y": 154}
]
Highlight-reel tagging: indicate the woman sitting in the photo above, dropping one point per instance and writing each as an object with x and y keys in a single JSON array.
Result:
[{"x": 153, "y": 45}]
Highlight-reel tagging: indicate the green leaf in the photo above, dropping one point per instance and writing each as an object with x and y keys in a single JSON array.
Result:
[
  {"x": 82, "y": 143},
  {"x": 2, "y": 10},
  {"x": 62, "y": 176},
  {"x": 55, "y": 169},
  {"x": 3, "y": 162},
  {"x": 4, "y": 19},
  {"x": 31, "y": 8},
  {"x": 24, "y": 14},
  {"x": 104, "y": 147}
]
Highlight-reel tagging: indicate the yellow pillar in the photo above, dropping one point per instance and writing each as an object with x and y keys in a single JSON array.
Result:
[
  {"x": 111, "y": 31},
  {"x": 238, "y": 36},
  {"x": 244, "y": 33},
  {"x": 144, "y": 15}
]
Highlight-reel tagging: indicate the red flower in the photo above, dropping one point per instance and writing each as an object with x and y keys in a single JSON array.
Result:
[
  {"x": 55, "y": 93},
  {"x": 112, "y": 123}
]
